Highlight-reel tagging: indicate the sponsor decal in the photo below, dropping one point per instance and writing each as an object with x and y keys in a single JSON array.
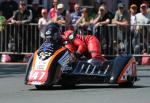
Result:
[
  {"x": 43, "y": 55},
  {"x": 48, "y": 32},
  {"x": 64, "y": 60}
]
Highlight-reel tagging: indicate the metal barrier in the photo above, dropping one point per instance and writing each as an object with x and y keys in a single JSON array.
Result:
[
  {"x": 20, "y": 39},
  {"x": 24, "y": 39}
]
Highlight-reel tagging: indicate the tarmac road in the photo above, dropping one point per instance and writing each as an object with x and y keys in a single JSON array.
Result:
[{"x": 13, "y": 90}]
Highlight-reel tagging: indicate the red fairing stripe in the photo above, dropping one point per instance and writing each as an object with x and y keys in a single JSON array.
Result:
[{"x": 133, "y": 65}]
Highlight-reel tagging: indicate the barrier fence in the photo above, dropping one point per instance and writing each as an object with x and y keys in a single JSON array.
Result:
[{"x": 24, "y": 39}]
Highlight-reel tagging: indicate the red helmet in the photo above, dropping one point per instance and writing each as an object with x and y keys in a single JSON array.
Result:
[{"x": 67, "y": 33}]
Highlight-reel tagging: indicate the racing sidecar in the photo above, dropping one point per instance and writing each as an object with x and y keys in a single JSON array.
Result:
[{"x": 52, "y": 64}]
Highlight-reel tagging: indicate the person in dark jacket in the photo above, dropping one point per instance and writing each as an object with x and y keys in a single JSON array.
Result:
[
  {"x": 21, "y": 17},
  {"x": 7, "y": 8}
]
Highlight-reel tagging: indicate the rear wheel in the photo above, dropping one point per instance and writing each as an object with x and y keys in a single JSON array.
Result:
[
  {"x": 126, "y": 84},
  {"x": 129, "y": 83}
]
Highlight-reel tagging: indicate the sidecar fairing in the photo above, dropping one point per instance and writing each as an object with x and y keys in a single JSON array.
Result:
[
  {"x": 121, "y": 70},
  {"x": 43, "y": 69}
]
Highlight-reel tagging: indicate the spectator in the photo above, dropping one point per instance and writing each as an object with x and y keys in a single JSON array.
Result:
[
  {"x": 43, "y": 22},
  {"x": 63, "y": 17},
  {"x": 7, "y": 8},
  {"x": 84, "y": 21},
  {"x": 2, "y": 33},
  {"x": 103, "y": 18},
  {"x": 133, "y": 12},
  {"x": 21, "y": 16},
  {"x": 122, "y": 20},
  {"x": 71, "y": 5},
  {"x": 75, "y": 15},
  {"x": 94, "y": 11},
  {"x": 142, "y": 38},
  {"x": 36, "y": 11},
  {"x": 101, "y": 30},
  {"x": 147, "y": 2},
  {"x": 53, "y": 10},
  {"x": 2, "y": 23}
]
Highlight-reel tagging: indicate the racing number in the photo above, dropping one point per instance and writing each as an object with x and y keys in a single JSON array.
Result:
[
  {"x": 34, "y": 75},
  {"x": 42, "y": 75},
  {"x": 37, "y": 74}
]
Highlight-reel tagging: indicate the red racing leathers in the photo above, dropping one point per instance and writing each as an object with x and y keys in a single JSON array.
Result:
[{"x": 81, "y": 44}]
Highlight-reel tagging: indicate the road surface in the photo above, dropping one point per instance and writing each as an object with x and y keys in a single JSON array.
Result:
[{"x": 13, "y": 90}]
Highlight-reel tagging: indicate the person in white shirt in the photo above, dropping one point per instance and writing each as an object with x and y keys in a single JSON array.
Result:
[
  {"x": 143, "y": 17},
  {"x": 43, "y": 22},
  {"x": 142, "y": 40},
  {"x": 133, "y": 12}
]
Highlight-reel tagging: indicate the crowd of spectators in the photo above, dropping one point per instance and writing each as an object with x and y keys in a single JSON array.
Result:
[{"x": 127, "y": 35}]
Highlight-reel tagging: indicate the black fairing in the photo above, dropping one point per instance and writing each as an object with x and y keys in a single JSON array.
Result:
[
  {"x": 94, "y": 62},
  {"x": 47, "y": 49},
  {"x": 54, "y": 66},
  {"x": 28, "y": 68}
]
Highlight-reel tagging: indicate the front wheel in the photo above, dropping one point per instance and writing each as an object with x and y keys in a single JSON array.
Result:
[
  {"x": 68, "y": 85},
  {"x": 43, "y": 87}
]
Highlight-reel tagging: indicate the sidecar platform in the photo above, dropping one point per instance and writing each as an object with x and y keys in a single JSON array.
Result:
[{"x": 85, "y": 72}]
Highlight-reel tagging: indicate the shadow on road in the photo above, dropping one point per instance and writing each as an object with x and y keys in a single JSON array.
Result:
[{"x": 89, "y": 87}]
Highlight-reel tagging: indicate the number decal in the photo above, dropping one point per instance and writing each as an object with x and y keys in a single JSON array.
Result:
[
  {"x": 34, "y": 75},
  {"x": 42, "y": 75},
  {"x": 37, "y": 75}
]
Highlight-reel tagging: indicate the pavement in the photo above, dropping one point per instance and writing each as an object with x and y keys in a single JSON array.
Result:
[{"x": 143, "y": 70}]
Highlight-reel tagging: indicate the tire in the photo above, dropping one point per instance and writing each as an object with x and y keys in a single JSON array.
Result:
[
  {"x": 129, "y": 83},
  {"x": 43, "y": 87},
  {"x": 68, "y": 85},
  {"x": 126, "y": 84}
]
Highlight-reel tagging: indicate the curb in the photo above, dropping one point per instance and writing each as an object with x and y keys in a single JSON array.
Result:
[{"x": 13, "y": 63}]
